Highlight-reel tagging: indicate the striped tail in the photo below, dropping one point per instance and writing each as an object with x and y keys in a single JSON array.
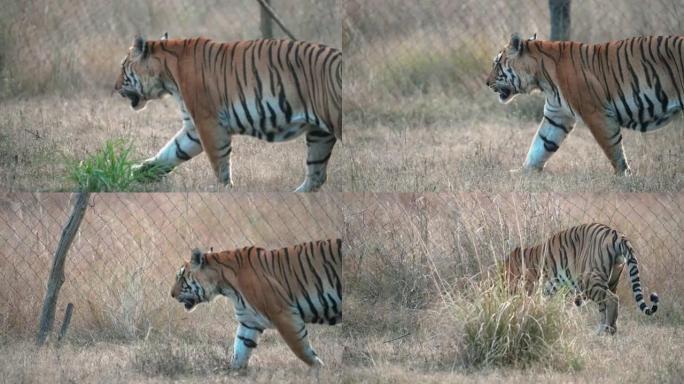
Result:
[{"x": 628, "y": 251}]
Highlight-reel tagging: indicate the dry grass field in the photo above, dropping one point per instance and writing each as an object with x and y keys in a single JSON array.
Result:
[
  {"x": 119, "y": 273},
  {"x": 415, "y": 290},
  {"x": 57, "y": 71},
  {"x": 420, "y": 118},
  {"x": 41, "y": 135}
]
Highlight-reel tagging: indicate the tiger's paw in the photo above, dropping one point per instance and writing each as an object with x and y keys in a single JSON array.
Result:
[
  {"x": 149, "y": 171},
  {"x": 627, "y": 172}
]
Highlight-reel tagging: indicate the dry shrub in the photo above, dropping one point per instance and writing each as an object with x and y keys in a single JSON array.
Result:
[{"x": 519, "y": 330}]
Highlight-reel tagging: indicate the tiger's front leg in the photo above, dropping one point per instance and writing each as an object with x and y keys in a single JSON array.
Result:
[
  {"x": 246, "y": 339},
  {"x": 184, "y": 146},
  {"x": 554, "y": 128},
  {"x": 319, "y": 145}
]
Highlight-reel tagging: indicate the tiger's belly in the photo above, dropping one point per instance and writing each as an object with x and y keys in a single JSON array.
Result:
[
  {"x": 321, "y": 310},
  {"x": 644, "y": 114},
  {"x": 266, "y": 123},
  {"x": 251, "y": 317}
]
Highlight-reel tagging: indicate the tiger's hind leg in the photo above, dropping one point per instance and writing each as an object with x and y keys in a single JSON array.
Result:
[
  {"x": 319, "y": 145},
  {"x": 217, "y": 145},
  {"x": 246, "y": 338},
  {"x": 293, "y": 330},
  {"x": 608, "y": 310},
  {"x": 609, "y": 136}
]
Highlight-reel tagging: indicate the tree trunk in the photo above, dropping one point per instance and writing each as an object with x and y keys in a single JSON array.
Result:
[
  {"x": 56, "y": 278},
  {"x": 560, "y": 19},
  {"x": 266, "y": 25}
]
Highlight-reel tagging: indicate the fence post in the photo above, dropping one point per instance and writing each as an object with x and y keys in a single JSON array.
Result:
[
  {"x": 267, "y": 10},
  {"x": 266, "y": 25},
  {"x": 560, "y": 19},
  {"x": 56, "y": 278}
]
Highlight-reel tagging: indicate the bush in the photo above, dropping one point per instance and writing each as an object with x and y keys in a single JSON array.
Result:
[
  {"x": 109, "y": 170},
  {"x": 518, "y": 330}
]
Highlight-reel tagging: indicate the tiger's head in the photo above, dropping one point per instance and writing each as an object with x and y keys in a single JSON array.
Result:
[
  {"x": 142, "y": 75},
  {"x": 196, "y": 281},
  {"x": 513, "y": 70},
  {"x": 516, "y": 269}
]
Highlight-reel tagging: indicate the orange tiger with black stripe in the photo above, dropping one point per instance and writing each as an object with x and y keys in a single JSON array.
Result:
[
  {"x": 274, "y": 90},
  {"x": 636, "y": 83},
  {"x": 588, "y": 259},
  {"x": 283, "y": 289}
]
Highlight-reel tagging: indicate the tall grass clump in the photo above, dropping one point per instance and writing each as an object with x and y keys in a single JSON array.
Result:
[
  {"x": 110, "y": 169},
  {"x": 518, "y": 330}
]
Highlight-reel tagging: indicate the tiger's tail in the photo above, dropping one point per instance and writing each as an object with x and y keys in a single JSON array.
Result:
[{"x": 628, "y": 251}]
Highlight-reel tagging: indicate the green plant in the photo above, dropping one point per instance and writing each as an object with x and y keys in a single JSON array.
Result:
[
  {"x": 516, "y": 329},
  {"x": 110, "y": 169}
]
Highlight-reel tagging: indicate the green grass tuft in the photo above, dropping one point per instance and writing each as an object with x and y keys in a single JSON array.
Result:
[{"x": 110, "y": 170}]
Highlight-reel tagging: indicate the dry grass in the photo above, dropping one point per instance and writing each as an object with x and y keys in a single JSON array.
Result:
[
  {"x": 419, "y": 272},
  {"x": 41, "y": 135},
  {"x": 461, "y": 152},
  {"x": 198, "y": 359}
]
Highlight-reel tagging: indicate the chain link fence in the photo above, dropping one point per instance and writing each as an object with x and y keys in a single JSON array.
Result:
[
  {"x": 414, "y": 251},
  {"x": 122, "y": 264},
  {"x": 404, "y": 252},
  {"x": 66, "y": 47},
  {"x": 401, "y": 50}
]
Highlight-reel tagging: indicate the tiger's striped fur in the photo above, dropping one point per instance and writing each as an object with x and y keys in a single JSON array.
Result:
[
  {"x": 636, "y": 83},
  {"x": 274, "y": 90},
  {"x": 284, "y": 289},
  {"x": 588, "y": 259}
]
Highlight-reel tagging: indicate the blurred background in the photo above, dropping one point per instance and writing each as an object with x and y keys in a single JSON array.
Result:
[
  {"x": 65, "y": 47},
  {"x": 443, "y": 48}
]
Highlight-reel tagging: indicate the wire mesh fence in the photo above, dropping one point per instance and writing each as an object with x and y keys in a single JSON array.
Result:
[
  {"x": 63, "y": 47},
  {"x": 122, "y": 263},
  {"x": 402, "y": 250},
  {"x": 411, "y": 252},
  {"x": 400, "y": 49}
]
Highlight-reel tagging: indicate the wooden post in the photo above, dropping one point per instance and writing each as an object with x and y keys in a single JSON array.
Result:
[
  {"x": 65, "y": 323},
  {"x": 56, "y": 278},
  {"x": 266, "y": 7},
  {"x": 560, "y": 19},
  {"x": 266, "y": 25}
]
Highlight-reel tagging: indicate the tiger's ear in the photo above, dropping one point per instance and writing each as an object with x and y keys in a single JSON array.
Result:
[
  {"x": 165, "y": 36},
  {"x": 533, "y": 37},
  {"x": 197, "y": 260},
  {"x": 515, "y": 45},
  {"x": 140, "y": 48}
]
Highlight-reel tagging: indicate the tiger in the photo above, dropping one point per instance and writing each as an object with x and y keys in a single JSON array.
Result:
[
  {"x": 588, "y": 260},
  {"x": 636, "y": 83},
  {"x": 273, "y": 90},
  {"x": 284, "y": 289}
]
